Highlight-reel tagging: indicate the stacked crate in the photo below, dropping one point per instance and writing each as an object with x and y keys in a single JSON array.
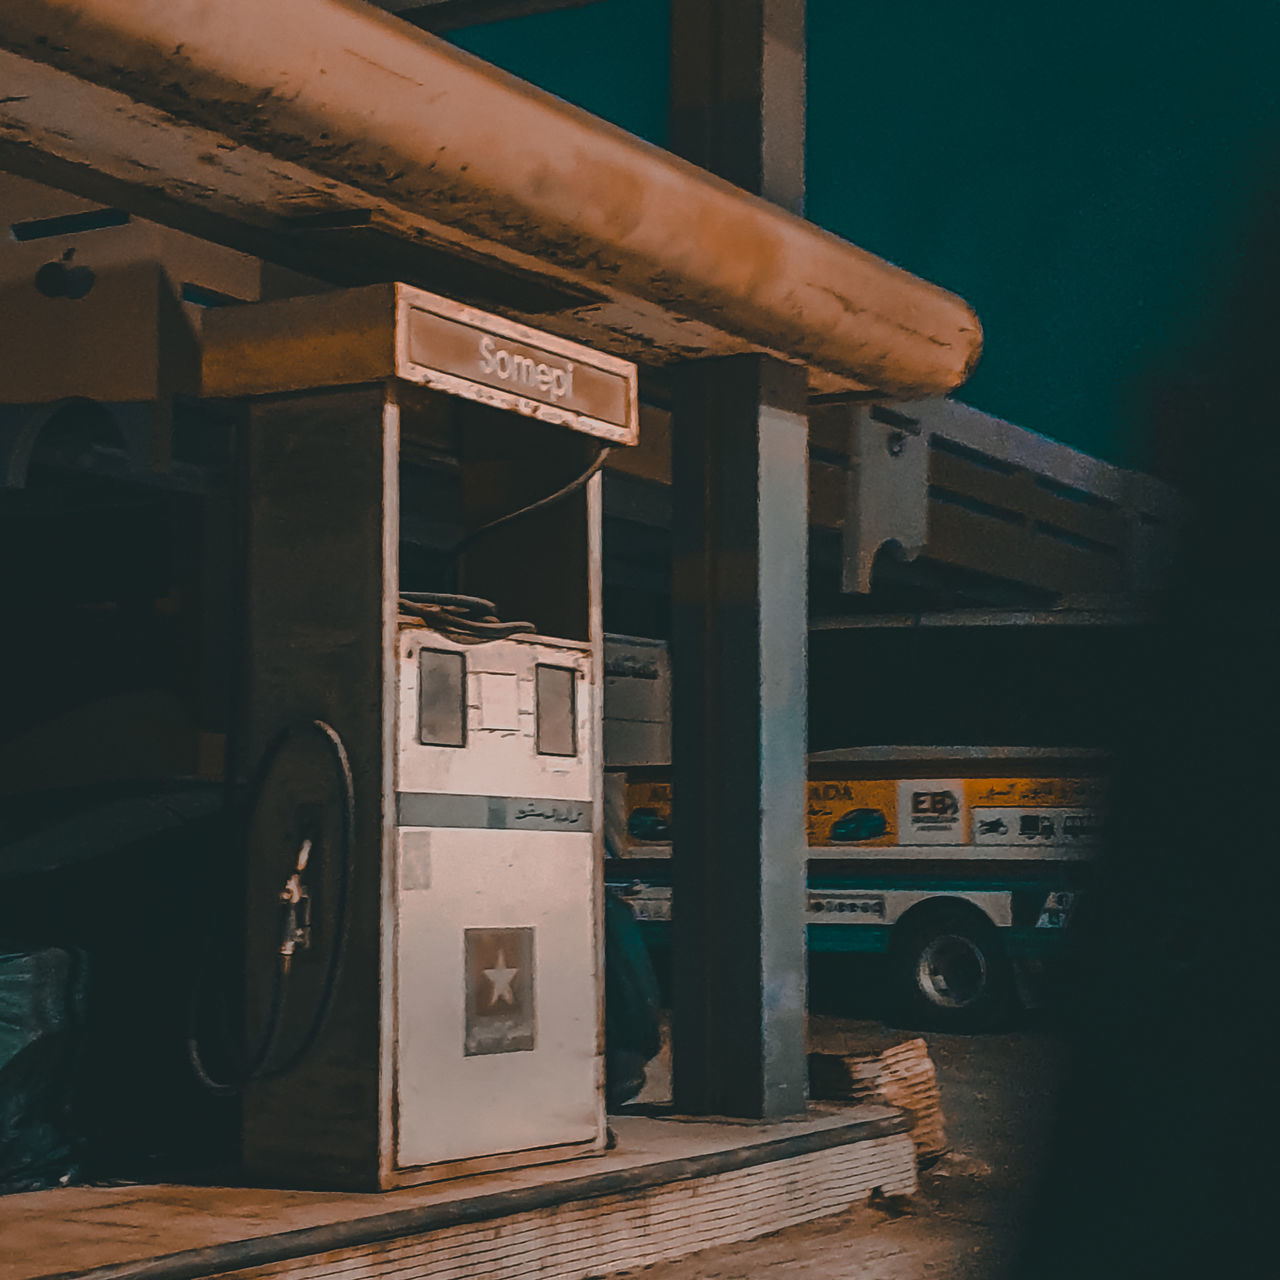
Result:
[{"x": 901, "y": 1075}]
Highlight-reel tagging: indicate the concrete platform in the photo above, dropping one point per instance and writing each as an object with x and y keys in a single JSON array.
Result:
[{"x": 670, "y": 1187}]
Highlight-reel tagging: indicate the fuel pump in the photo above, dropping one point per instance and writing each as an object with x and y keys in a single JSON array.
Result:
[
  {"x": 443, "y": 979},
  {"x": 495, "y": 833}
]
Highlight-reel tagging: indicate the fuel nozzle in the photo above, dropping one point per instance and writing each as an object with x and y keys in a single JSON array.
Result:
[{"x": 295, "y": 929}]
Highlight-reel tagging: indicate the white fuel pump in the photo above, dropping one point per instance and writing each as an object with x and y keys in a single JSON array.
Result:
[{"x": 496, "y": 988}]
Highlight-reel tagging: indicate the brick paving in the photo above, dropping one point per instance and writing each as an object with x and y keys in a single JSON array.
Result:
[{"x": 997, "y": 1097}]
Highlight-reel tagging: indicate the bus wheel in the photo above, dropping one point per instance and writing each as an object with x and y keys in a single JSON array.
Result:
[{"x": 949, "y": 971}]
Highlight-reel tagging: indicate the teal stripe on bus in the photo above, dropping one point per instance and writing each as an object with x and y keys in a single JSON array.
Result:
[
  {"x": 842, "y": 937},
  {"x": 873, "y": 939},
  {"x": 881, "y": 884}
]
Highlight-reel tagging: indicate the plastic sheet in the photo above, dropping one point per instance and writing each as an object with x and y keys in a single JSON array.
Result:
[{"x": 42, "y": 1010}]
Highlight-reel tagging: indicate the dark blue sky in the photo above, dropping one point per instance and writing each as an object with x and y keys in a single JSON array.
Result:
[{"x": 1084, "y": 175}]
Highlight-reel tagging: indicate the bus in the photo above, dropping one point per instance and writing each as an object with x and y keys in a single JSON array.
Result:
[{"x": 959, "y": 863}]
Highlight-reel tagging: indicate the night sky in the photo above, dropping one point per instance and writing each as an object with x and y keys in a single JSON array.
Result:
[{"x": 1085, "y": 175}]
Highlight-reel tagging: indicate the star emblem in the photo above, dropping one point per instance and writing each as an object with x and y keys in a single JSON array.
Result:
[{"x": 501, "y": 978}]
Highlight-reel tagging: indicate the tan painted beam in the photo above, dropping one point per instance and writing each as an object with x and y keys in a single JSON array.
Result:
[{"x": 274, "y": 113}]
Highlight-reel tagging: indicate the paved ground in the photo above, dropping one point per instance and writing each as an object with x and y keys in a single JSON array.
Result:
[{"x": 997, "y": 1095}]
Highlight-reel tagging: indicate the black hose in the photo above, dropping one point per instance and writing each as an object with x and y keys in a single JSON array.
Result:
[
  {"x": 472, "y": 606},
  {"x": 466, "y": 619},
  {"x": 342, "y": 914},
  {"x": 560, "y": 493},
  {"x": 469, "y": 619},
  {"x": 256, "y": 1066}
]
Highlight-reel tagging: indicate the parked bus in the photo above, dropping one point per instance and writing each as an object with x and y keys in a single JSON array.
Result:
[{"x": 959, "y": 864}]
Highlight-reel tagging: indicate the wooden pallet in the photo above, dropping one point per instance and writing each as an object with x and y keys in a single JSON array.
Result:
[{"x": 901, "y": 1075}]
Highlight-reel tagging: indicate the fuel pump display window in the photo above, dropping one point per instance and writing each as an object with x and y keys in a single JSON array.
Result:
[
  {"x": 557, "y": 711},
  {"x": 442, "y": 698}
]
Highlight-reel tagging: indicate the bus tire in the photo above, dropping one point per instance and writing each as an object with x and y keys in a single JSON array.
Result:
[{"x": 948, "y": 970}]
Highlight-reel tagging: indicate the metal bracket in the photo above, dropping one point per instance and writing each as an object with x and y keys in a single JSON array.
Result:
[{"x": 887, "y": 491}]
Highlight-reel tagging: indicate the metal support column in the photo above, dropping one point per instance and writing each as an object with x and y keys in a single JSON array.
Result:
[
  {"x": 740, "y": 470},
  {"x": 738, "y": 93},
  {"x": 739, "y": 626}
]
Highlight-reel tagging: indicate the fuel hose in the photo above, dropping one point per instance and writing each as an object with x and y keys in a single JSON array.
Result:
[{"x": 260, "y": 1064}]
